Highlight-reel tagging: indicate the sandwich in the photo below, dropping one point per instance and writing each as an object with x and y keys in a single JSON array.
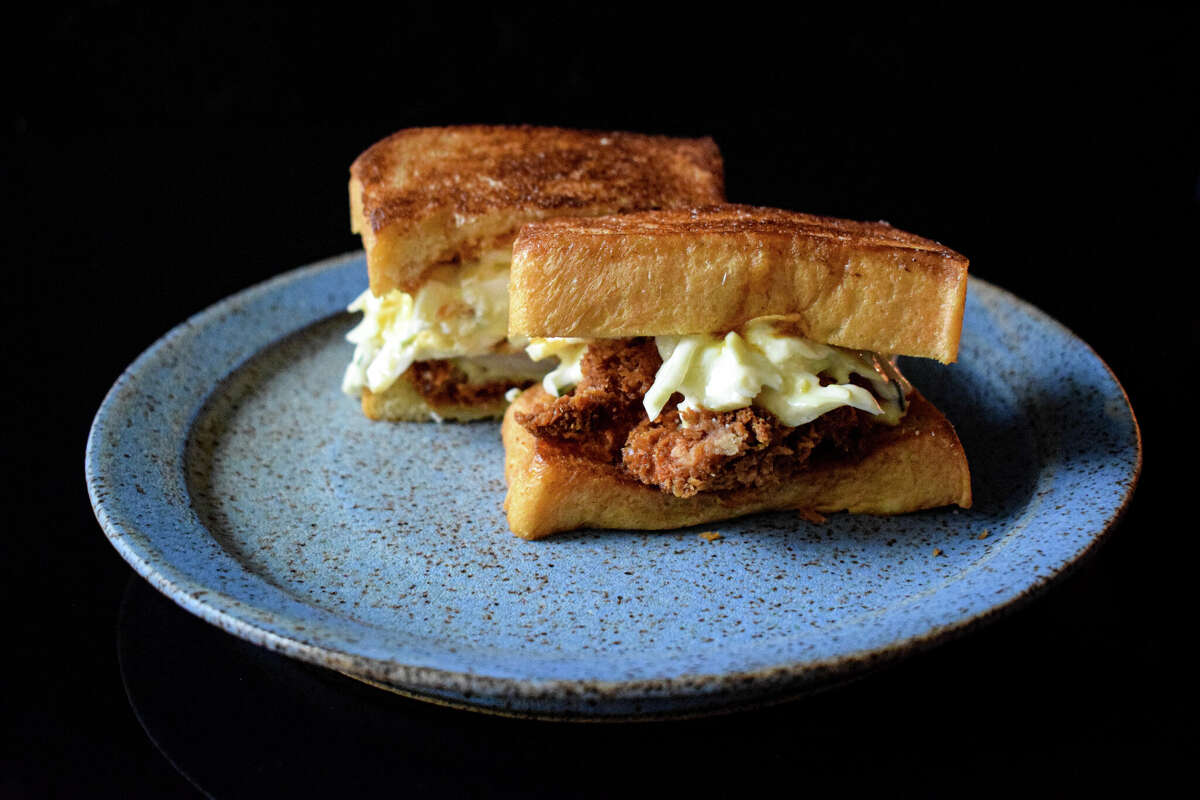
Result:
[
  {"x": 725, "y": 360},
  {"x": 438, "y": 209}
]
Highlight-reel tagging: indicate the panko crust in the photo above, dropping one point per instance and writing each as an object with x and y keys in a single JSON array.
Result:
[{"x": 917, "y": 464}]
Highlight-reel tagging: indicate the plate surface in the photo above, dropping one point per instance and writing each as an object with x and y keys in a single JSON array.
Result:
[{"x": 228, "y": 469}]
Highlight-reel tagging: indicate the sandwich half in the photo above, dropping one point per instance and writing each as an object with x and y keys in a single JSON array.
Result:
[
  {"x": 438, "y": 209},
  {"x": 724, "y": 360}
]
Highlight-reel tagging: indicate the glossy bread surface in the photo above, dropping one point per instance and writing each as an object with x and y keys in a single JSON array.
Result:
[
  {"x": 424, "y": 196},
  {"x": 864, "y": 285}
]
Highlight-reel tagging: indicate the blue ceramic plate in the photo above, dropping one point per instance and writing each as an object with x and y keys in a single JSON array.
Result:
[{"x": 226, "y": 466}]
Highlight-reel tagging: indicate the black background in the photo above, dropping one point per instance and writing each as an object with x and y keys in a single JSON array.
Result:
[{"x": 156, "y": 161}]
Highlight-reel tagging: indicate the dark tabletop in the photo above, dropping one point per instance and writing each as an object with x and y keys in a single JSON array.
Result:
[{"x": 155, "y": 162}]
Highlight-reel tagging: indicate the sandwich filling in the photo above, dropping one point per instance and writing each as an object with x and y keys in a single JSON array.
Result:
[
  {"x": 458, "y": 316},
  {"x": 701, "y": 413}
]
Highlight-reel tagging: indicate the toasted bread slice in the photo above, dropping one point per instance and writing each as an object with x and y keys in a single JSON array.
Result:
[
  {"x": 400, "y": 402},
  {"x": 914, "y": 465},
  {"x": 864, "y": 285},
  {"x": 466, "y": 388},
  {"x": 434, "y": 195}
]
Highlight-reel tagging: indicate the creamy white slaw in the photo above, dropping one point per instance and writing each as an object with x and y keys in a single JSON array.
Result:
[
  {"x": 761, "y": 364},
  {"x": 462, "y": 314}
]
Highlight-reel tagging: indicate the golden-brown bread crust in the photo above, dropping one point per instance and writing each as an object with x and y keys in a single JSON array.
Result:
[
  {"x": 401, "y": 402},
  {"x": 864, "y": 285},
  {"x": 430, "y": 195},
  {"x": 917, "y": 464}
]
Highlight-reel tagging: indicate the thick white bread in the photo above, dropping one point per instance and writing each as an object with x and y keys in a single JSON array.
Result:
[
  {"x": 426, "y": 196},
  {"x": 864, "y": 285},
  {"x": 400, "y": 402},
  {"x": 917, "y": 464}
]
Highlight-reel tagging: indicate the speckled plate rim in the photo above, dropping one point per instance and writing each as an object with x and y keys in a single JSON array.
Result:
[{"x": 665, "y": 696}]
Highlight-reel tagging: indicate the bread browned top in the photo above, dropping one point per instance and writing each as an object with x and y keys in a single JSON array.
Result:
[
  {"x": 730, "y": 218},
  {"x": 864, "y": 285},
  {"x": 431, "y": 195}
]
